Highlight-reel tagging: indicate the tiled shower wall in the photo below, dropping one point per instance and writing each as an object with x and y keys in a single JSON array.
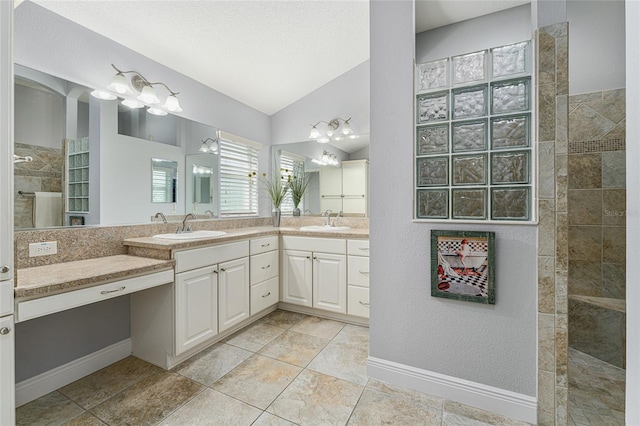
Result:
[
  {"x": 597, "y": 219},
  {"x": 44, "y": 173},
  {"x": 552, "y": 139}
]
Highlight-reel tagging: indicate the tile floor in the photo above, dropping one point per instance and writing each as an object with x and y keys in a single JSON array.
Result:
[
  {"x": 596, "y": 391},
  {"x": 285, "y": 369}
]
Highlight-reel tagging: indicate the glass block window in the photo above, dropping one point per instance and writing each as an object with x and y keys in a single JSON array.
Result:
[
  {"x": 78, "y": 175},
  {"x": 473, "y": 148}
]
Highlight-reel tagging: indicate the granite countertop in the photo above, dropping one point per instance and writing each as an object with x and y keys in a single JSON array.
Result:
[
  {"x": 46, "y": 280},
  {"x": 239, "y": 234}
]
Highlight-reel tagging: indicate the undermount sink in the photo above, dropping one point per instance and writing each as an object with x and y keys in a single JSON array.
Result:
[
  {"x": 324, "y": 228},
  {"x": 195, "y": 235}
]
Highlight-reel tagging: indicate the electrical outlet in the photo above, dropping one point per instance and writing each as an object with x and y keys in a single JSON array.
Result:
[{"x": 43, "y": 249}]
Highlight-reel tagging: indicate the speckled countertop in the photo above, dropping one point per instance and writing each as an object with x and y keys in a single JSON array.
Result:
[
  {"x": 239, "y": 234},
  {"x": 42, "y": 281},
  {"x": 153, "y": 255}
]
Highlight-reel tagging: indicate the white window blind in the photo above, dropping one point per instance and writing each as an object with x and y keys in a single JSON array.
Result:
[
  {"x": 289, "y": 162},
  {"x": 162, "y": 185},
  {"x": 238, "y": 179}
]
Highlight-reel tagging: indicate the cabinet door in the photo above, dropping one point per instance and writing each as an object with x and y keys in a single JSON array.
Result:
[
  {"x": 196, "y": 307},
  {"x": 7, "y": 384},
  {"x": 296, "y": 277},
  {"x": 233, "y": 292},
  {"x": 330, "y": 282},
  {"x": 354, "y": 179},
  {"x": 330, "y": 180}
]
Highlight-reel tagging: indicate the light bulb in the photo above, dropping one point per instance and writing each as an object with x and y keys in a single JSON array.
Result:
[
  {"x": 323, "y": 139},
  {"x": 315, "y": 133},
  {"x": 132, "y": 104},
  {"x": 204, "y": 147},
  {"x": 119, "y": 84},
  {"x": 103, "y": 95},
  {"x": 330, "y": 132},
  {"x": 172, "y": 104},
  {"x": 213, "y": 148},
  {"x": 156, "y": 111},
  {"x": 148, "y": 95}
]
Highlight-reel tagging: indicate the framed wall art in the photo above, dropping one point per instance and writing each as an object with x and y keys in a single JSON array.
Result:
[{"x": 463, "y": 266}]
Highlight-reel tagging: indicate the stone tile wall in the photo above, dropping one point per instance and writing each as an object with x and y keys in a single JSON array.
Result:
[
  {"x": 45, "y": 173},
  {"x": 552, "y": 101}
]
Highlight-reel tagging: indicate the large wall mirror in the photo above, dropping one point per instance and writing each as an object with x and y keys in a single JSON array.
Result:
[
  {"x": 337, "y": 174},
  {"x": 93, "y": 159}
]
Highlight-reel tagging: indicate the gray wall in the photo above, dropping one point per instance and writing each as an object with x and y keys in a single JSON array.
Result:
[
  {"x": 39, "y": 117},
  {"x": 596, "y": 45},
  {"x": 493, "y": 345},
  {"x": 345, "y": 96}
]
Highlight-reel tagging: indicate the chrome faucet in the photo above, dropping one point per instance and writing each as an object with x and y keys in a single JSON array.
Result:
[
  {"x": 184, "y": 224},
  {"x": 210, "y": 213},
  {"x": 338, "y": 216},
  {"x": 161, "y": 215},
  {"x": 327, "y": 215}
]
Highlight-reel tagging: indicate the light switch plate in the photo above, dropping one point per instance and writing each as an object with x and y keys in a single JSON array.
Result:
[{"x": 43, "y": 249}]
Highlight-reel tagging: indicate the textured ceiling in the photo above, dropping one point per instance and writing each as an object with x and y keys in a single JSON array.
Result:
[
  {"x": 264, "y": 53},
  {"x": 432, "y": 14}
]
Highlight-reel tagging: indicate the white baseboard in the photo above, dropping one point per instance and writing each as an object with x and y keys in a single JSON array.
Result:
[
  {"x": 42, "y": 384},
  {"x": 489, "y": 398}
]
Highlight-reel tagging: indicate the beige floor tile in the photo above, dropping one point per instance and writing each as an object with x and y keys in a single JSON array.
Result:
[
  {"x": 268, "y": 419},
  {"x": 453, "y": 411},
  {"x": 51, "y": 409},
  {"x": 258, "y": 380},
  {"x": 415, "y": 396},
  {"x": 211, "y": 407},
  {"x": 380, "y": 408},
  {"x": 254, "y": 337},
  {"x": 344, "y": 360},
  {"x": 294, "y": 348},
  {"x": 103, "y": 384},
  {"x": 319, "y": 327},
  {"x": 212, "y": 363},
  {"x": 149, "y": 401},
  {"x": 85, "y": 419},
  {"x": 283, "y": 319},
  {"x": 353, "y": 334},
  {"x": 316, "y": 399}
]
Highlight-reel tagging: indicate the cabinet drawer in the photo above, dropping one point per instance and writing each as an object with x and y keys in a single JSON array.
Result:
[
  {"x": 358, "y": 301},
  {"x": 319, "y": 245},
  {"x": 358, "y": 247},
  {"x": 6, "y": 298},
  {"x": 261, "y": 245},
  {"x": 264, "y": 295},
  {"x": 264, "y": 266},
  {"x": 358, "y": 271},
  {"x": 197, "y": 258},
  {"x": 60, "y": 302}
]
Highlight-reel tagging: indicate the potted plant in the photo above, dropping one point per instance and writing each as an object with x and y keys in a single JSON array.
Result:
[
  {"x": 277, "y": 189},
  {"x": 297, "y": 182}
]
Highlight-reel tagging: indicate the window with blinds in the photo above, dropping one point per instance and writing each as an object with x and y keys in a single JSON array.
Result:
[
  {"x": 238, "y": 179},
  {"x": 288, "y": 162}
]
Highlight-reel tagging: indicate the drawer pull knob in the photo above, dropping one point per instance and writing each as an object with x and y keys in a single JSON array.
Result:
[
  {"x": 265, "y": 245},
  {"x": 363, "y": 303},
  {"x": 308, "y": 257},
  {"x": 215, "y": 271},
  {"x": 266, "y": 267},
  {"x": 267, "y": 295},
  {"x": 364, "y": 273},
  {"x": 315, "y": 258},
  {"x": 4, "y": 269},
  {"x": 223, "y": 269},
  {"x": 5, "y": 330},
  {"x": 112, "y": 291}
]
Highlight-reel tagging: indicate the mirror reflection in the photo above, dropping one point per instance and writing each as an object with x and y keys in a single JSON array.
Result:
[
  {"x": 164, "y": 181},
  {"x": 87, "y": 151},
  {"x": 338, "y": 176}
]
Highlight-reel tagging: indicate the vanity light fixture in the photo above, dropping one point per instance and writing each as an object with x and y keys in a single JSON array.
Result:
[
  {"x": 329, "y": 159},
  {"x": 334, "y": 130},
  {"x": 144, "y": 90},
  {"x": 209, "y": 146}
]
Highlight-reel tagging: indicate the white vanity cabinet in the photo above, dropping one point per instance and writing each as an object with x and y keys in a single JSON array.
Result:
[
  {"x": 358, "y": 278},
  {"x": 211, "y": 292},
  {"x": 264, "y": 273},
  {"x": 314, "y": 273}
]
